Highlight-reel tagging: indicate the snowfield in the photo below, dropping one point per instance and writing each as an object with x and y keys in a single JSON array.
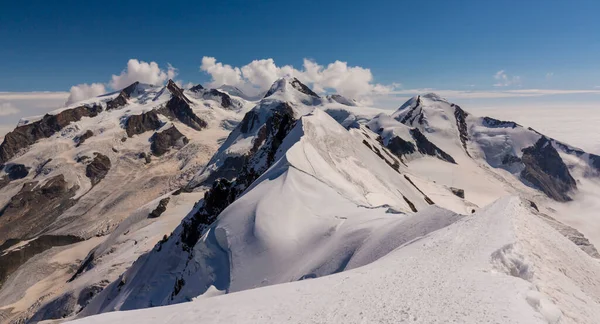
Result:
[
  {"x": 298, "y": 208},
  {"x": 503, "y": 264}
]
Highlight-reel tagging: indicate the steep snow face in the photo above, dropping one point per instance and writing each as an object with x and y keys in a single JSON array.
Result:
[
  {"x": 342, "y": 100},
  {"x": 335, "y": 192},
  {"x": 85, "y": 176},
  {"x": 504, "y": 264}
]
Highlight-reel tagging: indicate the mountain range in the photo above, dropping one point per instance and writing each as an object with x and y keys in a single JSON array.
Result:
[{"x": 291, "y": 207}]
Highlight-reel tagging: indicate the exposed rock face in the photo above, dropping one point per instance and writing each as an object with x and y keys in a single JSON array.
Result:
[
  {"x": 197, "y": 88},
  {"x": 461, "y": 124},
  {"x": 13, "y": 172},
  {"x": 81, "y": 139},
  {"x": 224, "y": 98},
  {"x": 426, "y": 147},
  {"x": 147, "y": 158},
  {"x": 163, "y": 141},
  {"x": 161, "y": 208},
  {"x": 26, "y": 135},
  {"x": 545, "y": 169},
  {"x": 98, "y": 168},
  {"x": 303, "y": 88},
  {"x": 224, "y": 191},
  {"x": 221, "y": 194},
  {"x": 495, "y": 123},
  {"x": 178, "y": 107},
  {"x": 594, "y": 159},
  {"x": 458, "y": 192},
  {"x": 121, "y": 99},
  {"x": 12, "y": 259},
  {"x": 400, "y": 147},
  {"x": 34, "y": 207},
  {"x": 510, "y": 159},
  {"x": 411, "y": 112},
  {"x": 138, "y": 124},
  {"x": 296, "y": 84}
]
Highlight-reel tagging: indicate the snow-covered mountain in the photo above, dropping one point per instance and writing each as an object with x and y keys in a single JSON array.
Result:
[
  {"x": 86, "y": 184},
  {"x": 334, "y": 211}
]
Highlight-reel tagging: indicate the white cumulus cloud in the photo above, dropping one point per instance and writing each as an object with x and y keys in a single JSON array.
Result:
[
  {"x": 7, "y": 109},
  {"x": 85, "y": 91},
  {"x": 257, "y": 76},
  {"x": 504, "y": 80},
  {"x": 143, "y": 72}
]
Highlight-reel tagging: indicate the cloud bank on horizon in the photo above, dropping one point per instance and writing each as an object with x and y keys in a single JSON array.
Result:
[{"x": 257, "y": 76}]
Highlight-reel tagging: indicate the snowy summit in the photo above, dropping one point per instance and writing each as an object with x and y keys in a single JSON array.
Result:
[{"x": 165, "y": 204}]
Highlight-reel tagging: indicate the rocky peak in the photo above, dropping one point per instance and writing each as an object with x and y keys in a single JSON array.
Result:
[
  {"x": 281, "y": 86},
  {"x": 163, "y": 141},
  {"x": 123, "y": 97},
  {"x": 25, "y": 135},
  {"x": 178, "y": 107},
  {"x": 197, "y": 88},
  {"x": 545, "y": 169},
  {"x": 177, "y": 91}
]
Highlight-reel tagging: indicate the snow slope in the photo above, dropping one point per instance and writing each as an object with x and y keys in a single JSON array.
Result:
[
  {"x": 503, "y": 264},
  {"x": 317, "y": 209},
  {"x": 111, "y": 216}
]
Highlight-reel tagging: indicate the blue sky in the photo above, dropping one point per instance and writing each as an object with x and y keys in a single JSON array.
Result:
[
  {"x": 476, "y": 53},
  {"x": 421, "y": 44}
]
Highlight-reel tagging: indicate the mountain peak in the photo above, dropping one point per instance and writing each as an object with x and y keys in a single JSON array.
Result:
[{"x": 280, "y": 85}]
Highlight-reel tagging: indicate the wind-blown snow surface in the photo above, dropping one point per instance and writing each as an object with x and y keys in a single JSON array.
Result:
[{"x": 503, "y": 264}]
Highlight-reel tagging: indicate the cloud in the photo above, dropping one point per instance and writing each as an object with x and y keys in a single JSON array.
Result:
[
  {"x": 257, "y": 76},
  {"x": 85, "y": 91},
  {"x": 143, "y": 72},
  {"x": 27, "y": 104},
  {"x": 504, "y": 80},
  {"x": 7, "y": 108}
]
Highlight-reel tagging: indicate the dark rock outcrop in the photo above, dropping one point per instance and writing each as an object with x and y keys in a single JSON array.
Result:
[
  {"x": 12, "y": 259},
  {"x": 178, "y": 107},
  {"x": 161, "y": 208},
  {"x": 81, "y": 138},
  {"x": 121, "y": 99},
  {"x": 400, "y": 147},
  {"x": 461, "y": 124},
  {"x": 163, "y": 141},
  {"x": 594, "y": 160},
  {"x": 426, "y": 147},
  {"x": 510, "y": 159},
  {"x": 34, "y": 207},
  {"x": 13, "y": 172},
  {"x": 495, "y": 123},
  {"x": 427, "y": 199},
  {"x": 225, "y": 99},
  {"x": 225, "y": 191},
  {"x": 26, "y": 135},
  {"x": 460, "y": 193},
  {"x": 138, "y": 124},
  {"x": 147, "y": 158},
  {"x": 545, "y": 170},
  {"x": 301, "y": 87},
  {"x": 197, "y": 88},
  {"x": 412, "y": 112},
  {"x": 98, "y": 168}
]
